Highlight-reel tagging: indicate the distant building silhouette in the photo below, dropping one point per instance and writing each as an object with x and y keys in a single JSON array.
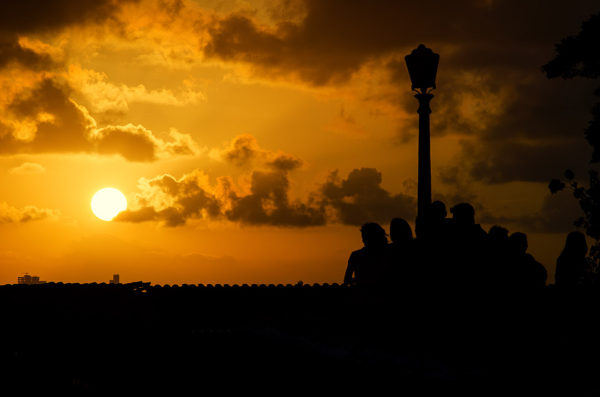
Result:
[
  {"x": 115, "y": 279},
  {"x": 29, "y": 280}
]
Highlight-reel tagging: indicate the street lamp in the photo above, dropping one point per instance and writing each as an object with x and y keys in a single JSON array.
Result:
[{"x": 422, "y": 64}]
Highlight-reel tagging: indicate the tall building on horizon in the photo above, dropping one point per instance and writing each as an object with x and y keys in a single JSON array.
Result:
[
  {"x": 29, "y": 280},
  {"x": 115, "y": 279}
]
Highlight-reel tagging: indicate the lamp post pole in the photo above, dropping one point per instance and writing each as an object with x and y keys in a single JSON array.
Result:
[
  {"x": 422, "y": 64},
  {"x": 424, "y": 181}
]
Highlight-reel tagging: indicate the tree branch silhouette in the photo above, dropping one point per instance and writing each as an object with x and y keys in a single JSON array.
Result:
[{"x": 579, "y": 56}]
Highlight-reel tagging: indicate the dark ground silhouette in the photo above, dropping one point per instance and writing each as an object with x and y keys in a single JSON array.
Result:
[{"x": 138, "y": 338}]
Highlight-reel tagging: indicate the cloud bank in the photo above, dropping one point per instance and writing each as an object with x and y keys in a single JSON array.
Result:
[
  {"x": 37, "y": 111},
  {"x": 517, "y": 125},
  {"x": 265, "y": 199},
  {"x": 47, "y": 120}
]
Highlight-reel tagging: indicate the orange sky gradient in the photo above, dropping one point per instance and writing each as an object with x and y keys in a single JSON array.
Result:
[{"x": 252, "y": 139}]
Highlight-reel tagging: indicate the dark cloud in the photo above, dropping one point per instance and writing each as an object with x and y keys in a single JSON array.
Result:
[
  {"x": 268, "y": 204},
  {"x": 192, "y": 198},
  {"x": 557, "y": 215},
  {"x": 172, "y": 7},
  {"x": 518, "y": 126},
  {"x": 501, "y": 161},
  {"x": 12, "y": 52},
  {"x": 174, "y": 201},
  {"x": 535, "y": 136},
  {"x": 244, "y": 151},
  {"x": 360, "y": 198},
  {"x": 135, "y": 143},
  {"x": 334, "y": 38},
  {"x": 39, "y": 16},
  {"x": 355, "y": 200},
  {"x": 30, "y": 16},
  {"x": 490, "y": 85},
  {"x": 143, "y": 214},
  {"x": 284, "y": 162},
  {"x": 46, "y": 120}
]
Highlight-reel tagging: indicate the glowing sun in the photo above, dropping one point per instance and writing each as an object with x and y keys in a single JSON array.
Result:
[{"x": 107, "y": 203}]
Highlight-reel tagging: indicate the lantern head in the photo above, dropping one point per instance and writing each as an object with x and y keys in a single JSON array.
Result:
[{"x": 422, "y": 64}]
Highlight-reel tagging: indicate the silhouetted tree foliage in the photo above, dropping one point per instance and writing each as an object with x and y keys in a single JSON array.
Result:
[
  {"x": 579, "y": 56},
  {"x": 588, "y": 197}
]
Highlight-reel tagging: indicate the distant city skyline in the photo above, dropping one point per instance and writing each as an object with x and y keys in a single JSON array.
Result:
[{"x": 32, "y": 280}]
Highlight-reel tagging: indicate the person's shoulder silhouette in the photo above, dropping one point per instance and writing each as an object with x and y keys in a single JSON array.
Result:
[
  {"x": 498, "y": 236},
  {"x": 527, "y": 272},
  {"x": 437, "y": 225},
  {"x": 402, "y": 252},
  {"x": 498, "y": 256},
  {"x": 467, "y": 248},
  {"x": 463, "y": 216}
]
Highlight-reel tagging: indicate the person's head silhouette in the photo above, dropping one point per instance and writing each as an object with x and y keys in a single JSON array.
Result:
[
  {"x": 576, "y": 244},
  {"x": 400, "y": 231},
  {"x": 373, "y": 235},
  {"x": 437, "y": 210},
  {"x": 498, "y": 234},
  {"x": 463, "y": 214},
  {"x": 518, "y": 243}
]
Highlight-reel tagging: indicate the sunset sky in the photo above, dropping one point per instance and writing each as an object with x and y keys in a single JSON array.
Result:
[{"x": 253, "y": 138}]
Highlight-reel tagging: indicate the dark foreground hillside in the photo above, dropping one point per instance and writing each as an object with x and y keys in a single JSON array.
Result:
[{"x": 141, "y": 338}]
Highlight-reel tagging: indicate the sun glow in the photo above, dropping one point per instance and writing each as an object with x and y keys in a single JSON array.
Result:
[{"x": 107, "y": 203}]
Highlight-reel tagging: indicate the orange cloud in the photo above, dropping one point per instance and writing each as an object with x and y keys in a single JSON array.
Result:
[
  {"x": 360, "y": 198},
  {"x": 266, "y": 201},
  {"x": 10, "y": 214},
  {"x": 47, "y": 120},
  {"x": 28, "y": 169},
  {"x": 174, "y": 201},
  {"x": 244, "y": 151},
  {"x": 24, "y": 18},
  {"x": 104, "y": 96}
]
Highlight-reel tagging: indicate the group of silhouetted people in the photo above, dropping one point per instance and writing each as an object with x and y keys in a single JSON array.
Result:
[{"x": 457, "y": 252}]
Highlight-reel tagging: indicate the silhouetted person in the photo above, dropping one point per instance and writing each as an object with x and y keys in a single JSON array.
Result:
[
  {"x": 571, "y": 265},
  {"x": 525, "y": 272},
  {"x": 403, "y": 270},
  {"x": 438, "y": 224},
  {"x": 400, "y": 232},
  {"x": 368, "y": 265},
  {"x": 498, "y": 236},
  {"x": 432, "y": 219},
  {"x": 498, "y": 256},
  {"x": 434, "y": 246},
  {"x": 468, "y": 245}
]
